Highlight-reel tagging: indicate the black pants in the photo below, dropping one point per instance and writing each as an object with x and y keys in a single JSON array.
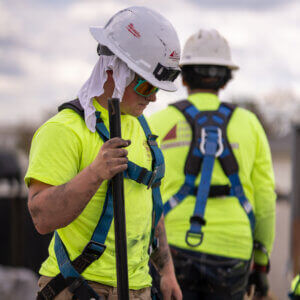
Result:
[{"x": 204, "y": 276}]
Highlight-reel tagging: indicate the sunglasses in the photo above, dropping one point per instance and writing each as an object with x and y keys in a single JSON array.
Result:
[{"x": 144, "y": 88}]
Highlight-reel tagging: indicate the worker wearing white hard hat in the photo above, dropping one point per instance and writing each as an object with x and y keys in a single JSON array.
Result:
[
  {"x": 72, "y": 161},
  {"x": 218, "y": 191}
]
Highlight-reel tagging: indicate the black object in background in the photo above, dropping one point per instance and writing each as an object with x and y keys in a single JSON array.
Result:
[
  {"x": 119, "y": 207},
  {"x": 21, "y": 244},
  {"x": 34, "y": 249}
]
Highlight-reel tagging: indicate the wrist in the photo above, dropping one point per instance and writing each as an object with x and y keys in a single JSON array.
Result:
[
  {"x": 94, "y": 173},
  {"x": 167, "y": 270}
]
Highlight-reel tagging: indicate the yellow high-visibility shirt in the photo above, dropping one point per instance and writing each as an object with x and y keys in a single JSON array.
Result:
[
  {"x": 227, "y": 231},
  {"x": 60, "y": 149}
]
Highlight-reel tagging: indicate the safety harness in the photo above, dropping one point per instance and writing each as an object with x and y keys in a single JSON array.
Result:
[
  {"x": 209, "y": 142},
  {"x": 70, "y": 270}
]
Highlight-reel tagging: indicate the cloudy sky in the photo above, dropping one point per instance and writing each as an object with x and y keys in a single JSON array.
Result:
[{"x": 47, "y": 52}]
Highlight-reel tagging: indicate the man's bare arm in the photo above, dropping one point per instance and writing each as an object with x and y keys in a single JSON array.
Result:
[
  {"x": 162, "y": 260},
  {"x": 161, "y": 256},
  {"x": 53, "y": 207}
]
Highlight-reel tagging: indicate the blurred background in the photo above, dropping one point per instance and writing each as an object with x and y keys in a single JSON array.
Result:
[{"x": 47, "y": 53}]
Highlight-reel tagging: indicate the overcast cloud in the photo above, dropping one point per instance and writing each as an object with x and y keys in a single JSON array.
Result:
[{"x": 47, "y": 53}]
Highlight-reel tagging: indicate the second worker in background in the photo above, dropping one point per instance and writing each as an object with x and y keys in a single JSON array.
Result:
[{"x": 218, "y": 193}]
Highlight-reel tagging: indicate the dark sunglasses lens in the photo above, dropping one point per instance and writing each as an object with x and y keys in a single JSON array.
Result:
[{"x": 145, "y": 88}]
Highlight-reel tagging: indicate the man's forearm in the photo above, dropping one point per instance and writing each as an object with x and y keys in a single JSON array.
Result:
[
  {"x": 57, "y": 206},
  {"x": 161, "y": 257},
  {"x": 53, "y": 207}
]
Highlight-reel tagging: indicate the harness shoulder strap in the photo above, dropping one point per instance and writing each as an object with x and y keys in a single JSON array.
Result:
[
  {"x": 74, "y": 105},
  {"x": 194, "y": 159},
  {"x": 158, "y": 171},
  {"x": 227, "y": 159},
  {"x": 187, "y": 109}
]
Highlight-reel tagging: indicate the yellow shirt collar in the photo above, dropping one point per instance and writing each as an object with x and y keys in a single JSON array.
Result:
[{"x": 205, "y": 101}]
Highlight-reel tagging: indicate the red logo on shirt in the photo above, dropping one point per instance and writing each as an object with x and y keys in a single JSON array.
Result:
[
  {"x": 171, "y": 134},
  {"x": 133, "y": 31}
]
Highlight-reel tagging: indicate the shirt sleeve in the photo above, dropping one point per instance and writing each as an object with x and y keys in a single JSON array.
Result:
[
  {"x": 264, "y": 195},
  {"x": 55, "y": 154}
]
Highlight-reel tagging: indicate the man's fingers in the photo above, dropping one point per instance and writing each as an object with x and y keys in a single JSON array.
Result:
[
  {"x": 114, "y": 153},
  {"x": 119, "y": 161},
  {"x": 114, "y": 162},
  {"x": 118, "y": 169},
  {"x": 116, "y": 143}
]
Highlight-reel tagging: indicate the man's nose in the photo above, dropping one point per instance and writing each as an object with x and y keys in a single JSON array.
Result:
[{"x": 152, "y": 98}]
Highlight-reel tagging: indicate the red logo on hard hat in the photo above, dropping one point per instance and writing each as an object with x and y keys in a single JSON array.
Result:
[
  {"x": 132, "y": 30},
  {"x": 174, "y": 55}
]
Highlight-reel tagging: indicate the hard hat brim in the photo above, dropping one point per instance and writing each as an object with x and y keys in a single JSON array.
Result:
[
  {"x": 99, "y": 35},
  {"x": 209, "y": 61}
]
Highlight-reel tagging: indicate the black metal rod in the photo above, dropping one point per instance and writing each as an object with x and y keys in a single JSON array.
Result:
[{"x": 119, "y": 207}]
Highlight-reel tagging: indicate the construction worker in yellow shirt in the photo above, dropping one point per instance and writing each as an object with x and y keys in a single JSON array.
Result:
[
  {"x": 72, "y": 161},
  {"x": 218, "y": 192}
]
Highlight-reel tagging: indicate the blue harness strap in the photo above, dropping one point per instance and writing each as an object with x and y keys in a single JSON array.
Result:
[
  {"x": 70, "y": 271},
  {"x": 158, "y": 167},
  {"x": 209, "y": 142},
  {"x": 92, "y": 251}
]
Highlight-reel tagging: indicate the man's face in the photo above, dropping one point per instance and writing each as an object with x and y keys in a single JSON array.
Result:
[{"x": 132, "y": 103}]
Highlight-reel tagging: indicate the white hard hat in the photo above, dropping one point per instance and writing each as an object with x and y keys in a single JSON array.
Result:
[
  {"x": 146, "y": 42},
  {"x": 207, "y": 47}
]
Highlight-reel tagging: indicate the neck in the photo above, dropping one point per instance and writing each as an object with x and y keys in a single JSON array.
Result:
[
  {"x": 195, "y": 91},
  {"x": 102, "y": 100}
]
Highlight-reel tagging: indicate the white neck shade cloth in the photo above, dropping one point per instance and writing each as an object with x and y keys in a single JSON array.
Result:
[{"x": 93, "y": 87}]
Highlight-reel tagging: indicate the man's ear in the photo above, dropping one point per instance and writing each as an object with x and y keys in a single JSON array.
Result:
[
  {"x": 110, "y": 78},
  {"x": 109, "y": 73}
]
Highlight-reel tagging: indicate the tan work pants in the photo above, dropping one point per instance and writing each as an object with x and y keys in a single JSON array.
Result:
[{"x": 107, "y": 292}]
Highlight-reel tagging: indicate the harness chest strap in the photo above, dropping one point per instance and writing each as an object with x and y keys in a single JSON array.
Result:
[{"x": 70, "y": 271}]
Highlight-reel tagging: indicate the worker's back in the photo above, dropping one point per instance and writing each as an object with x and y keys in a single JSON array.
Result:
[
  {"x": 227, "y": 231},
  {"x": 212, "y": 223}
]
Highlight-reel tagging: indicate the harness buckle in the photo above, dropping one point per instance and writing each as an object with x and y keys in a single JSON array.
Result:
[
  {"x": 96, "y": 253},
  {"x": 79, "y": 288},
  {"x": 76, "y": 283},
  {"x": 197, "y": 219},
  {"x": 204, "y": 135},
  {"x": 195, "y": 235},
  {"x": 153, "y": 177},
  {"x": 151, "y": 140}
]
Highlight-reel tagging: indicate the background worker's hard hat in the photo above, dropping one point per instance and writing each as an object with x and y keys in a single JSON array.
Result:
[
  {"x": 146, "y": 42},
  {"x": 207, "y": 47}
]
